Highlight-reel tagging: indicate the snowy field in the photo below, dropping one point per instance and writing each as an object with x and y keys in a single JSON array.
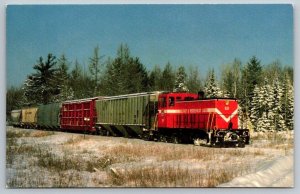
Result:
[{"x": 55, "y": 159}]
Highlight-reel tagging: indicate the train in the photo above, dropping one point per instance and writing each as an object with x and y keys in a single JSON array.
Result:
[{"x": 176, "y": 117}]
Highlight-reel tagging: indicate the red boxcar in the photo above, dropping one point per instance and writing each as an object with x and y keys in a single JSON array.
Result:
[{"x": 78, "y": 115}]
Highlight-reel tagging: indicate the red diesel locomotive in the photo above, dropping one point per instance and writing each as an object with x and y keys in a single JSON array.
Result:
[{"x": 190, "y": 117}]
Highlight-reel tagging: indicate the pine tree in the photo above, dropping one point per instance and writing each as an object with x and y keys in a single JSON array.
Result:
[
  {"x": 180, "y": 80},
  {"x": 76, "y": 79},
  {"x": 63, "y": 80},
  {"x": 261, "y": 123},
  {"x": 193, "y": 80},
  {"x": 251, "y": 76},
  {"x": 236, "y": 71},
  {"x": 155, "y": 78},
  {"x": 287, "y": 102},
  {"x": 279, "y": 122},
  {"x": 272, "y": 70},
  {"x": 124, "y": 74},
  {"x": 168, "y": 78},
  {"x": 136, "y": 77},
  {"x": 80, "y": 82},
  {"x": 255, "y": 107},
  {"x": 264, "y": 123},
  {"x": 14, "y": 99},
  {"x": 40, "y": 87},
  {"x": 228, "y": 83},
  {"x": 210, "y": 88},
  {"x": 95, "y": 68}
]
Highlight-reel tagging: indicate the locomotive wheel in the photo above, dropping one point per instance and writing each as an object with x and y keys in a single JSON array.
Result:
[
  {"x": 175, "y": 139},
  {"x": 241, "y": 144},
  {"x": 165, "y": 139},
  {"x": 219, "y": 144},
  {"x": 162, "y": 138}
]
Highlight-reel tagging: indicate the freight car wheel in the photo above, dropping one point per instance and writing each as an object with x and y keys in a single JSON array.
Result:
[{"x": 147, "y": 136}]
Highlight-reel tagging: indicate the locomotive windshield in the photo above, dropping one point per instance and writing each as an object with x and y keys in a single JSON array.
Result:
[
  {"x": 163, "y": 102},
  {"x": 171, "y": 101}
]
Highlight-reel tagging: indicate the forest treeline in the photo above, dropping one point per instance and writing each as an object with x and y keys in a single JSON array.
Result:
[{"x": 265, "y": 91}]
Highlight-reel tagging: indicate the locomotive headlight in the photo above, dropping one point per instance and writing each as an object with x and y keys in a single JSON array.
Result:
[{"x": 86, "y": 119}]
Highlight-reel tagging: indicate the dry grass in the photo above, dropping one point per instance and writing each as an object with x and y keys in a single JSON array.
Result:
[
  {"x": 167, "y": 152},
  {"x": 75, "y": 139},
  {"x": 79, "y": 161},
  {"x": 41, "y": 133},
  {"x": 279, "y": 141},
  {"x": 17, "y": 133},
  {"x": 172, "y": 177}
]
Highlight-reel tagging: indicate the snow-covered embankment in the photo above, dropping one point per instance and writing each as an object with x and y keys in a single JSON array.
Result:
[{"x": 275, "y": 173}]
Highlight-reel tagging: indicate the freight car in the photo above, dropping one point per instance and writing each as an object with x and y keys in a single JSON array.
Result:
[
  {"x": 126, "y": 115},
  {"x": 29, "y": 117},
  {"x": 78, "y": 115},
  {"x": 48, "y": 116},
  {"x": 15, "y": 117}
]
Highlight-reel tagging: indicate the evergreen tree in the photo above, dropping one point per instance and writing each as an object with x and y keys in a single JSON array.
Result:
[
  {"x": 255, "y": 107},
  {"x": 230, "y": 79},
  {"x": 290, "y": 110},
  {"x": 76, "y": 79},
  {"x": 180, "y": 80},
  {"x": 155, "y": 78},
  {"x": 279, "y": 122},
  {"x": 261, "y": 123},
  {"x": 288, "y": 102},
  {"x": 236, "y": 73},
  {"x": 272, "y": 70},
  {"x": 210, "y": 88},
  {"x": 228, "y": 83},
  {"x": 124, "y": 74},
  {"x": 95, "y": 68},
  {"x": 193, "y": 80},
  {"x": 136, "y": 77},
  {"x": 168, "y": 78},
  {"x": 111, "y": 80},
  {"x": 251, "y": 76},
  {"x": 40, "y": 87},
  {"x": 264, "y": 123},
  {"x": 14, "y": 99},
  {"x": 80, "y": 83},
  {"x": 63, "y": 81}
]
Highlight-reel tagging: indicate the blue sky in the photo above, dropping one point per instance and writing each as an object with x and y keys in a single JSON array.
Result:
[{"x": 202, "y": 35}]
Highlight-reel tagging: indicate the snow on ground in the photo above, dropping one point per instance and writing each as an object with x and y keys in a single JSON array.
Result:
[
  {"x": 266, "y": 162},
  {"x": 274, "y": 173}
]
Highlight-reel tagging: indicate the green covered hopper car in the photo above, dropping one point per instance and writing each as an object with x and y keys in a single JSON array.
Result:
[
  {"x": 48, "y": 116},
  {"x": 126, "y": 115}
]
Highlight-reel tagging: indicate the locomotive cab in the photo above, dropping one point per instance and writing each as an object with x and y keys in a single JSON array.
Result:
[
  {"x": 170, "y": 104},
  {"x": 169, "y": 100}
]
